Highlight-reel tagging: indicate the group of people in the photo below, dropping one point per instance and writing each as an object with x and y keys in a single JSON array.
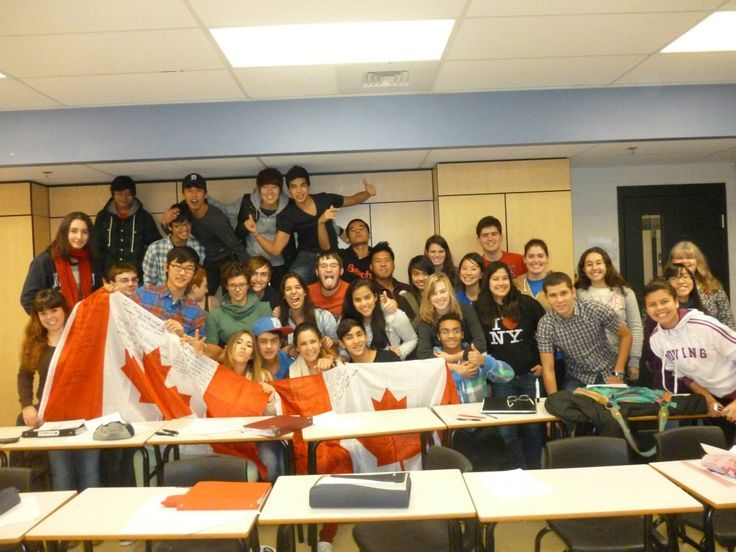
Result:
[{"x": 294, "y": 304}]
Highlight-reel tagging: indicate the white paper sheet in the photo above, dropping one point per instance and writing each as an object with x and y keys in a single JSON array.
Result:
[
  {"x": 334, "y": 420},
  {"x": 710, "y": 449},
  {"x": 27, "y": 510},
  {"x": 208, "y": 426},
  {"x": 153, "y": 516},
  {"x": 514, "y": 484}
]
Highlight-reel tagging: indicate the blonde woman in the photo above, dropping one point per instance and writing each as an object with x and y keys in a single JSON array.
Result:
[
  {"x": 711, "y": 291},
  {"x": 438, "y": 298}
]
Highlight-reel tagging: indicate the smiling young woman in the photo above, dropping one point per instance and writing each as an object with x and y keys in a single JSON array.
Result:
[{"x": 314, "y": 357}]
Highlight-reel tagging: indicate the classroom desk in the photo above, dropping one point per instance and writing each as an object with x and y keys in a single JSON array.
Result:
[
  {"x": 47, "y": 502},
  {"x": 135, "y": 513},
  {"x": 435, "y": 494},
  {"x": 143, "y": 430},
  {"x": 370, "y": 424},
  {"x": 208, "y": 431},
  {"x": 578, "y": 493},
  {"x": 715, "y": 492}
]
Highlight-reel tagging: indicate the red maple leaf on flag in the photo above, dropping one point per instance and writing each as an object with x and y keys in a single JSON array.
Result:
[
  {"x": 150, "y": 381},
  {"x": 391, "y": 448}
]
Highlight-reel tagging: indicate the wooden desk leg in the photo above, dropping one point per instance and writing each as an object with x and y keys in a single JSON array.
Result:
[
  {"x": 710, "y": 540},
  {"x": 490, "y": 538}
]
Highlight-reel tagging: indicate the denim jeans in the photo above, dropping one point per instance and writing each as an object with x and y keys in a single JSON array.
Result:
[
  {"x": 305, "y": 264},
  {"x": 75, "y": 470},
  {"x": 528, "y": 449},
  {"x": 271, "y": 454}
]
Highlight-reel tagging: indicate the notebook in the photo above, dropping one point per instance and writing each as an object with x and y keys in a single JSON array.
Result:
[
  {"x": 56, "y": 429},
  {"x": 276, "y": 426},
  {"x": 221, "y": 495},
  {"x": 502, "y": 405}
]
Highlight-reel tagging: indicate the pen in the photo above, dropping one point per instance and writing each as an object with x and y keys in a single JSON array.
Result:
[{"x": 471, "y": 416}]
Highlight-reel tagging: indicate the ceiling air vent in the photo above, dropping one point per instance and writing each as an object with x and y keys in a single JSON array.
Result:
[{"x": 386, "y": 79}]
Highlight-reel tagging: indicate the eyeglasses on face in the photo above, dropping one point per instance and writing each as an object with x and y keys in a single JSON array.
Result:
[{"x": 176, "y": 267}]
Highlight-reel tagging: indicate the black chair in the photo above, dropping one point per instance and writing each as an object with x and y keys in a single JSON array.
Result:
[
  {"x": 619, "y": 534},
  {"x": 683, "y": 443},
  {"x": 20, "y": 478},
  {"x": 428, "y": 536},
  {"x": 188, "y": 471}
]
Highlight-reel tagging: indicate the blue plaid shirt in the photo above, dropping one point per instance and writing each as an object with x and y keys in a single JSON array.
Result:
[{"x": 158, "y": 301}]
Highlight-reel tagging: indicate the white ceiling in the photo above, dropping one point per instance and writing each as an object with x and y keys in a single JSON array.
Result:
[{"x": 82, "y": 53}]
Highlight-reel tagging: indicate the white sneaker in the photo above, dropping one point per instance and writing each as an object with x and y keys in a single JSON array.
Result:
[
  {"x": 324, "y": 546},
  {"x": 266, "y": 548}
]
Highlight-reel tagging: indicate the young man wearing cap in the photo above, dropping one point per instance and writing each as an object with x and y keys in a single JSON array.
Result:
[
  {"x": 154, "y": 262},
  {"x": 490, "y": 236},
  {"x": 356, "y": 258},
  {"x": 301, "y": 217},
  {"x": 270, "y": 334},
  {"x": 170, "y": 302},
  {"x": 211, "y": 227},
  {"x": 263, "y": 206},
  {"x": 328, "y": 292},
  {"x": 124, "y": 229}
]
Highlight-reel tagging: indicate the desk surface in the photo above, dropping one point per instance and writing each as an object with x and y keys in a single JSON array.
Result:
[
  {"x": 709, "y": 487},
  {"x": 579, "y": 493},
  {"x": 143, "y": 430},
  {"x": 109, "y": 514},
  {"x": 436, "y": 494},
  {"x": 47, "y": 503},
  {"x": 449, "y": 414},
  {"x": 370, "y": 424},
  {"x": 194, "y": 431}
]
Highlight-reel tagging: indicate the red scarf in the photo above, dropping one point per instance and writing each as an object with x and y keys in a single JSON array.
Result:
[{"x": 68, "y": 284}]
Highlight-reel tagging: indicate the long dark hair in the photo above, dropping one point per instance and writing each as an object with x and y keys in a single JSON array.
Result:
[
  {"x": 378, "y": 320},
  {"x": 35, "y": 337},
  {"x": 486, "y": 305},
  {"x": 307, "y": 309},
  {"x": 61, "y": 246},
  {"x": 612, "y": 278},
  {"x": 448, "y": 267},
  {"x": 672, "y": 271}
]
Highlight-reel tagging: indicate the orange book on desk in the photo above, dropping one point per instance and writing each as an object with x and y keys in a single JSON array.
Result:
[{"x": 221, "y": 495}]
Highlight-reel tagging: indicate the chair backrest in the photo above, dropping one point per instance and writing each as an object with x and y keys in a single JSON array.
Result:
[
  {"x": 683, "y": 443},
  {"x": 188, "y": 471},
  {"x": 20, "y": 478},
  {"x": 443, "y": 458},
  {"x": 581, "y": 452}
]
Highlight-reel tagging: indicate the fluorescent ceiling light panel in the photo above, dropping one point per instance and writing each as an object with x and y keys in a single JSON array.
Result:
[
  {"x": 716, "y": 33},
  {"x": 334, "y": 43}
]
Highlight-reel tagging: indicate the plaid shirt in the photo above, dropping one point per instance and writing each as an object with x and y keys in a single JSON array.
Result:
[
  {"x": 154, "y": 262},
  {"x": 158, "y": 301},
  {"x": 582, "y": 339},
  {"x": 475, "y": 389}
]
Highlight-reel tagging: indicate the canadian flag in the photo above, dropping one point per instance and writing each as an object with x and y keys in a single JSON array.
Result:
[
  {"x": 115, "y": 356},
  {"x": 365, "y": 388}
]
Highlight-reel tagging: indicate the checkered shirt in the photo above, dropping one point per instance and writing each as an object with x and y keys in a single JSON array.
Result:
[
  {"x": 581, "y": 339},
  {"x": 154, "y": 262},
  {"x": 158, "y": 301}
]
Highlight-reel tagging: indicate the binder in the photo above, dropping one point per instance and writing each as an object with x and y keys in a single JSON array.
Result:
[
  {"x": 56, "y": 429},
  {"x": 385, "y": 490},
  {"x": 276, "y": 426},
  {"x": 221, "y": 495},
  {"x": 500, "y": 405}
]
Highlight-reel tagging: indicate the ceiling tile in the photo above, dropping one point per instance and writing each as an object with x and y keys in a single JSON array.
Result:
[
  {"x": 350, "y": 78},
  {"x": 84, "y": 16},
  {"x": 177, "y": 169},
  {"x": 16, "y": 95},
  {"x": 230, "y": 13},
  {"x": 486, "y": 8},
  {"x": 351, "y": 162},
  {"x": 51, "y": 175},
  {"x": 705, "y": 67},
  {"x": 532, "y": 73},
  {"x": 503, "y": 153},
  {"x": 103, "y": 53},
  {"x": 288, "y": 82},
  {"x": 186, "y": 86},
  {"x": 571, "y": 35}
]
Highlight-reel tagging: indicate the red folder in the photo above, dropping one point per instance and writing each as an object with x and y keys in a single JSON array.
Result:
[
  {"x": 221, "y": 495},
  {"x": 276, "y": 426}
]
